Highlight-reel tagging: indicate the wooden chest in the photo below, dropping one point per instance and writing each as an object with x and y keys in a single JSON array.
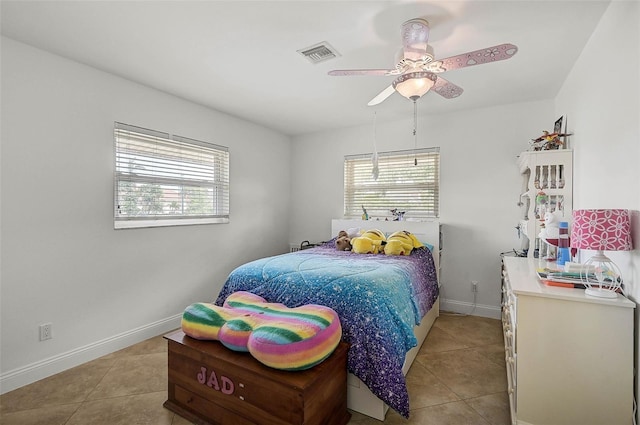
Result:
[{"x": 210, "y": 384}]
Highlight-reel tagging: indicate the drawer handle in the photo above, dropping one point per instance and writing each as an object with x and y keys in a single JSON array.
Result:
[{"x": 241, "y": 398}]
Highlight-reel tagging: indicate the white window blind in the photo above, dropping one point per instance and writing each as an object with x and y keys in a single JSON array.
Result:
[
  {"x": 163, "y": 179},
  {"x": 401, "y": 184}
]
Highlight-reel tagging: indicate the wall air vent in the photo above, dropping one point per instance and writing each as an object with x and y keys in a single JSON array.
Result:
[{"x": 319, "y": 52}]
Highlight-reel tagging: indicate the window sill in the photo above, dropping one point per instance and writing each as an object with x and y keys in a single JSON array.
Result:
[{"x": 137, "y": 224}]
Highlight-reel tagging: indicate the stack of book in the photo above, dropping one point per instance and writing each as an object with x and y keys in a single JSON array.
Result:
[
  {"x": 552, "y": 277},
  {"x": 573, "y": 276}
]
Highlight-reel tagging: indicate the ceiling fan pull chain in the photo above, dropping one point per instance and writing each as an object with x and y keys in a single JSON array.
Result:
[
  {"x": 374, "y": 159},
  {"x": 415, "y": 132}
]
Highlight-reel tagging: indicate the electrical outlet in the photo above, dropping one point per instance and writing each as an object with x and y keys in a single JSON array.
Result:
[
  {"x": 45, "y": 331},
  {"x": 474, "y": 286}
]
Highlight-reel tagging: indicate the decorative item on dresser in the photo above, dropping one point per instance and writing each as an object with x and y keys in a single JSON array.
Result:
[
  {"x": 569, "y": 356},
  {"x": 601, "y": 230}
]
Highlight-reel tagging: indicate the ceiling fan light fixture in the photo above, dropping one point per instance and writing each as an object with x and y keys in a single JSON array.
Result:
[{"x": 414, "y": 85}]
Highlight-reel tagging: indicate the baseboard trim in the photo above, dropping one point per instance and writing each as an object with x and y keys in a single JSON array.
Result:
[
  {"x": 463, "y": 307},
  {"x": 33, "y": 372}
]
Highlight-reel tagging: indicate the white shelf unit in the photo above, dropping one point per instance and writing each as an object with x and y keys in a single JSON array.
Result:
[
  {"x": 551, "y": 172},
  {"x": 569, "y": 356}
]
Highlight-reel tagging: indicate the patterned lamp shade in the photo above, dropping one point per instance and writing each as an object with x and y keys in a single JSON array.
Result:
[{"x": 601, "y": 230}]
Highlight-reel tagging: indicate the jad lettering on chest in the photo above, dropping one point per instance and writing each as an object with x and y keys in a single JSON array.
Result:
[{"x": 211, "y": 380}]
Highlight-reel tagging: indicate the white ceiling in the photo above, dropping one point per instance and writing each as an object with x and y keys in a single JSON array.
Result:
[{"x": 240, "y": 57}]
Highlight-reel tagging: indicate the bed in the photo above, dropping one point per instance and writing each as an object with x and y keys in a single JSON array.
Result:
[{"x": 394, "y": 297}]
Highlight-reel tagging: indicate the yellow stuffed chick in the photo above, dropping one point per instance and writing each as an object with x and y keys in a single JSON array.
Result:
[
  {"x": 401, "y": 243},
  {"x": 370, "y": 242}
]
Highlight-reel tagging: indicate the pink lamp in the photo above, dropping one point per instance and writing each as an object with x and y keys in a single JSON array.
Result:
[{"x": 601, "y": 230}]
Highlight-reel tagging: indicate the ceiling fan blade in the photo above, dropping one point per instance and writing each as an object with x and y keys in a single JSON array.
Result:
[
  {"x": 382, "y": 96},
  {"x": 415, "y": 34},
  {"x": 346, "y": 72},
  {"x": 446, "y": 89},
  {"x": 478, "y": 57}
]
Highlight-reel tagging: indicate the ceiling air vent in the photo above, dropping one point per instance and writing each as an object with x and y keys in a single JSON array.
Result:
[{"x": 319, "y": 52}]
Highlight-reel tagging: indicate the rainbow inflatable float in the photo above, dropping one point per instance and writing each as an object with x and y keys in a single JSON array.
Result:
[{"x": 276, "y": 335}]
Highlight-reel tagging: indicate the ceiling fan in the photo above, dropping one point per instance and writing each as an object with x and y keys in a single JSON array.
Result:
[{"x": 416, "y": 70}]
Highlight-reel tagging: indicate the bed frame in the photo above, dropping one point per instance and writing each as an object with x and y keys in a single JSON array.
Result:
[{"x": 359, "y": 398}]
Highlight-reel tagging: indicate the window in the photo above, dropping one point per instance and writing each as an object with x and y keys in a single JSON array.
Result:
[
  {"x": 407, "y": 180},
  {"x": 167, "y": 180}
]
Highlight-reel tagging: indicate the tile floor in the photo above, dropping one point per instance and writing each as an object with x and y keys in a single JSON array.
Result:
[{"x": 458, "y": 378}]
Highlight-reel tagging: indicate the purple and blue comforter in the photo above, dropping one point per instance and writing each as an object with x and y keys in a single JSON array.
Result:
[{"x": 378, "y": 298}]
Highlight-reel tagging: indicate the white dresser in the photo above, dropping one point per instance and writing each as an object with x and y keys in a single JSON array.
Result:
[{"x": 569, "y": 356}]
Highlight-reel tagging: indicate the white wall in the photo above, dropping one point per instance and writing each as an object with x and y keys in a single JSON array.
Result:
[
  {"x": 480, "y": 184},
  {"x": 603, "y": 106},
  {"x": 62, "y": 261}
]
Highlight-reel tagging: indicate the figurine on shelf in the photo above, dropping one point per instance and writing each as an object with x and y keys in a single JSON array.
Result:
[
  {"x": 365, "y": 215},
  {"x": 550, "y": 227},
  {"x": 542, "y": 200},
  {"x": 398, "y": 215},
  {"x": 548, "y": 141}
]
